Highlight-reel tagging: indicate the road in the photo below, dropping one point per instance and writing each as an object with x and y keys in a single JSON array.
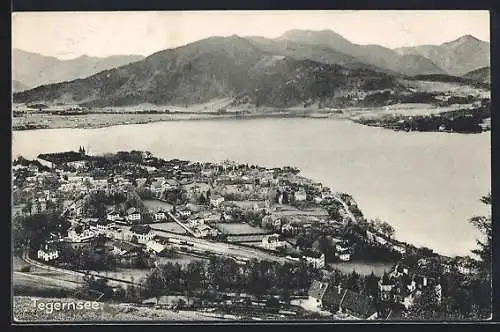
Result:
[
  {"x": 346, "y": 208},
  {"x": 174, "y": 218}
]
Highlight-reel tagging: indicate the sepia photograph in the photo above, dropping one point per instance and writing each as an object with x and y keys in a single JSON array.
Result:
[{"x": 251, "y": 166}]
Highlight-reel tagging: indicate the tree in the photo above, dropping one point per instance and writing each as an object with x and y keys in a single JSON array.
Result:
[
  {"x": 353, "y": 282},
  {"x": 481, "y": 284},
  {"x": 484, "y": 225},
  {"x": 387, "y": 229},
  {"x": 371, "y": 285}
]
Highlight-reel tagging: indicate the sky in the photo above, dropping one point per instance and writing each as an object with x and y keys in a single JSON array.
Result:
[{"x": 68, "y": 35}]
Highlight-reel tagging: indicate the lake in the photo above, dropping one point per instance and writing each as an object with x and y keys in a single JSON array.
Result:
[{"x": 426, "y": 185}]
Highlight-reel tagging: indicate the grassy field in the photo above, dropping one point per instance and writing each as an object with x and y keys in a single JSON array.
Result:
[
  {"x": 153, "y": 205},
  {"x": 287, "y": 210},
  {"x": 456, "y": 89},
  {"x": 24, "y": 310},
  {"x": 33, "y": 284},
  {"x": 239, "y": 229},
  {"x": 180, "y": 259},
  {"x": 127, "y": 274},
  {"x": 172, "y": 227}
]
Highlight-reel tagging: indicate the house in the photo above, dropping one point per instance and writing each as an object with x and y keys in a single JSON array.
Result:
[
  {"x": 185, "y": 213},
  {"x": 342, "y": 301},
  {"x": 400, "y": 248},
  {"x": 380, "y": 239},
  {"x": 403, "y": 286},
  {"x": 300, "y": 195},
  {"x": 316, "y": 259},
  {"x": 386, "y": 288},
  {"x": 83, "y": 236},
  {"x": 465, "y": 265},
  {"x": 156, "y": 245},
  {"x": 48, "y": 253},
  {"x": 207, "y": 173},
  {"x": 203, "y": 230},
  {"x": 141, "y": 182},
  {"x": 103, "y": 225},
  {"x": 216, "y": 200},
  {"x": 143, "y": 233},
  {"x": 288, "y": 228},
  {"x": 78, "y": 164},
  {"x": 343, "y": 252},
  {"x": 273, "y": 242},
  {"x": 326, "y": 195},
  {"x": 122, "y": 248},
  {"x": 113, "y": 216},
  {"x": 160, "y": 215},
  {"x": 38, "y": 206},
  {"x": 133, "y": 215},
  {"x": 318, "y": 199},
  {"x": 399, "y": 270},
  {"x": 156, "y": 188}
]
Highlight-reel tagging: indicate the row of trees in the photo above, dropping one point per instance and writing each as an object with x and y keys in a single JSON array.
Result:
[{"x": 226, "y": 275}]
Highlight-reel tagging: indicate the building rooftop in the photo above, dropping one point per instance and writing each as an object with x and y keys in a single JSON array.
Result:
[
  {"x": 140, "y": 229},
  {"x": 318, "y": 289},
  {"x": 359, "y": 304}
]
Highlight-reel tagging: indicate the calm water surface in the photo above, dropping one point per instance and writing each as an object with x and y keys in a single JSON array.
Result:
[{"x": 425, "y": 184}]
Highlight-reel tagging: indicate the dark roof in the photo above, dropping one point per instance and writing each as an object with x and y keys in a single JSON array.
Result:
[
  {"x": 311, "y": 253},
  {"x": 62, "y": 157},
  {"x": 140, "y": 229},
  {"x": 333, "y": 297},
  {"x": 395, "y": 314},
  {"x": 358, "y": 304},
  {"x": 132, "y": 210},
  {"x": 318, "y": 289},
  {"x": 104, "y": 222}
]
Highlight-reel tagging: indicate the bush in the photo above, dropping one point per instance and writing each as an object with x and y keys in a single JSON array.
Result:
[{"x": 25, "y": 268}]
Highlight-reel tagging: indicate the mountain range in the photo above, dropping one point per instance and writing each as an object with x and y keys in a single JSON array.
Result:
[
  {"x": 32, "y": 69},
  {"x": 298, "y": 67},
  {"x": 375, "y": 55},
  {"x": 456, "y": 57}
]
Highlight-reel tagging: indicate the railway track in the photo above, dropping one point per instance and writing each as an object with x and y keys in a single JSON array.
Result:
[{"x": 76, "y": 274}]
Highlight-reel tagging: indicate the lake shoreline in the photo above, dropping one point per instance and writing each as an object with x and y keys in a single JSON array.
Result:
[
  {"x": 378, "y": 160},
  {"x": 37, "y": 120}
]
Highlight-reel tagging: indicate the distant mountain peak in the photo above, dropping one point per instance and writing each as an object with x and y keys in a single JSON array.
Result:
[{"x": 463, "y": 40}]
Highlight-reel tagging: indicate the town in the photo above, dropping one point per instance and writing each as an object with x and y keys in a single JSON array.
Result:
[{"x": 226, "y": 239}]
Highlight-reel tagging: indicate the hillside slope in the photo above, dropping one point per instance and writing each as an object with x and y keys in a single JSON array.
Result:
[
  {"x": 18, "y": 86},
  {"x": 305, "y": 51},
  {"x": 479, "y": 75},
  {"x": 217, "y": 67},
  {"x": 34, "y": 69}
]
